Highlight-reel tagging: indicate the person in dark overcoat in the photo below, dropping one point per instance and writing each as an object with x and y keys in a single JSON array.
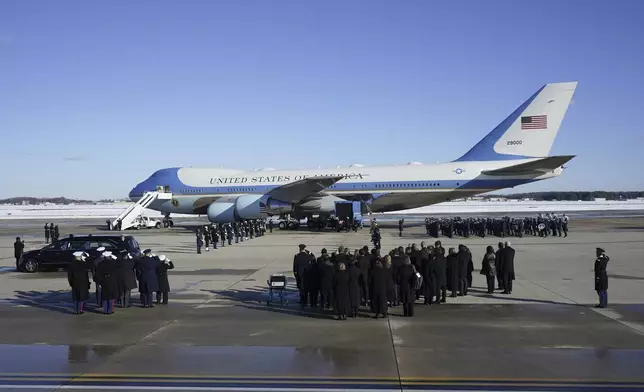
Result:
[
  {"x": 18, "y": 248},
  {"x": 498, "y": 263},
  {"x": 78, "y": 278},
  {"x": 470, "y": 267},
  {"x": 439, "y": 271},
  {"x": 452, "y": 271},
  {"x": 407, "y": 281},
  {"x": 601, "y": 277},
  {"x": 301, "y": 263},
  {"x": 426, "y": 268},
  {"x": 107, "y": 275},
  {"x": 391, "y": 285},
  {"x": 378, "y": 286},
  {"x": 146, "y": 268},
  {"x": 313, "y": 283},
  {"x": 488, "y": 268},
  {"x": 165, "y": 264},
  {"x": 354, "y": 287},
  {"x": 364, "y": 265},
  {"x": 126, "y": 278},
  {"x": 342, "y": 300},
  {"x": 463, "y": 264},
  {"x": 327, "y": 270},
  {"x": 507, "y": 255}
]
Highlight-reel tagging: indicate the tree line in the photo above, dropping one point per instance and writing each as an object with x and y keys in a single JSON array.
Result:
[{"x": 575, "y": 195}]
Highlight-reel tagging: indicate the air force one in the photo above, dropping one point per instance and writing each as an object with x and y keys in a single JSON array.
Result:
[{"x": 513, "y": 153}]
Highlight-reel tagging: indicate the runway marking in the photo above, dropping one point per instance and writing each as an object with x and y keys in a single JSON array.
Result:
[{"x": 616, "y": 316}]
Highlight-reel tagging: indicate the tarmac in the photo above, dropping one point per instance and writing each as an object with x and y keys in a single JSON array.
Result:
[{"x": 218, "y": 333}]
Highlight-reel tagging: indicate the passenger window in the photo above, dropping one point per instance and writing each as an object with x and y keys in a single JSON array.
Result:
[
  {"x": 61, "y": 245},
  {"x": 77, "y": 245},
  {"x": 97, "y": 244}
]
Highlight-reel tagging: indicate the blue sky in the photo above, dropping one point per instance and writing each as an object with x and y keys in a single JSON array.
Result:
[{"x": 95, "y": 96}]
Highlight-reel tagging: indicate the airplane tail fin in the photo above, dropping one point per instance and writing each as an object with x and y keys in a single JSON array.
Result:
[{"x": 530, "y": 130}]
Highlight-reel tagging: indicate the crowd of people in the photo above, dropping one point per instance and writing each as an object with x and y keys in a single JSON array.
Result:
[
  {"x": 541, "y": 225},
  {"x": 345, "y": 281},
  {"x": 115, "y": 276},
  {"x": 211, "y": 234}
]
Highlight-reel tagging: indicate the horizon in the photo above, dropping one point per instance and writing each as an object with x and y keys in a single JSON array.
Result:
[{"x": 109, "y": 97}]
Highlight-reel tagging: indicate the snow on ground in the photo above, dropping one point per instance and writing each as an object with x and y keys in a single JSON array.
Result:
[{"x": 111, "y": 211}]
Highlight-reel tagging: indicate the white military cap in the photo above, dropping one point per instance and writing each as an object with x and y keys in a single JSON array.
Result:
[
  {"x": 107, "y": 253},
  {"x": 79, "y": 255},
  {"x": 101, "y": 249},
  {"x": 162, "y": 257}
]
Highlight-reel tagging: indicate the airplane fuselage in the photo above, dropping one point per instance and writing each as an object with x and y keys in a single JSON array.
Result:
[{"x": 386, "y": 188}]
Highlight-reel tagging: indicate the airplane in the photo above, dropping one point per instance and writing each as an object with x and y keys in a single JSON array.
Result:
[{"x": 512, "y": 154}]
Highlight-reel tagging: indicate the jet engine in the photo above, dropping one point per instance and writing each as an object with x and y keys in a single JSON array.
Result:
[
  {"x": 318, "y": 204},
  {"x": 236, "y": 208}
]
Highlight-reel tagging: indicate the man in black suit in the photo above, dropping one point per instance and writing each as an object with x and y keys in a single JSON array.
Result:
[
  {"x": 301, "y": 264},
  {"x": 508, "y": 267}
]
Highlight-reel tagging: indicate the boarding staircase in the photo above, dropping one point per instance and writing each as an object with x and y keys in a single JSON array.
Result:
[{"x": 129, "y": 216}]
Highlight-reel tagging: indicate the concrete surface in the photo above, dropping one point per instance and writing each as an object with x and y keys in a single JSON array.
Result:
[{"x": 218, "y": 334}]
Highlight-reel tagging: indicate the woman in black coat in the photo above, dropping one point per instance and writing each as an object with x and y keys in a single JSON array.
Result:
[
  {"x": 452, "y": 271},
  {"x": 107, "y": 275},
  {"x": 391, "y": 284},
  {"x": 126, "y": 279},
  {"x": 341, "y": 292},
  {"x": 488, "y": 268},
  {"x": 78, "y": 278},
  {"x": 354, "y": 287},
  {"x": 378, "y": 286},
  {"x": 162, "y": 276}
]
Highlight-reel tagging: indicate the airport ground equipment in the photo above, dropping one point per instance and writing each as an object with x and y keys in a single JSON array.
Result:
[
  {"x": 129, "y": 217},
  {"x": 145, "y": 222},
  {"x": 276, "y": 287},
  {"x": 348, "y": 210}
]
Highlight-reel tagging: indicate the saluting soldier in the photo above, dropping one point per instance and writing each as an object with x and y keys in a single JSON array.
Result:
[
  {"x": 47, "y": 233},
  {"x": 107, "y": 273},
  {"x": 146, "y": 268},
  {"x": 56, "y": 233},
  {"x": 162, "y": 276},
  {"x": 78, "y": 278},
  {"x": 126, "y": 278}
]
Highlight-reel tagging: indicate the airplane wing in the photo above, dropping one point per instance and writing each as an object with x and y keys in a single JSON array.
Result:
[
  {"x": 296, "y": 191},
  {"x": 540, "y": 166}
]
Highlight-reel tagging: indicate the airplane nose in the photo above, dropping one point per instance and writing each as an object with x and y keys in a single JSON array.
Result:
[{"x": 136, "y": 193}]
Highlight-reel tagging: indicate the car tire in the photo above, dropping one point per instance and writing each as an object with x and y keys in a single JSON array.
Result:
[
  {"x": 30, "y": 266},
  {"x": 282, "y": 225},
  {"x": 291, "y": 225},
  {"x": 158, "y": 225}
]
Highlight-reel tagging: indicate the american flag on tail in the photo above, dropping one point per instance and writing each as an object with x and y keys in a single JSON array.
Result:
[{"x": 534, "y": 122}]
